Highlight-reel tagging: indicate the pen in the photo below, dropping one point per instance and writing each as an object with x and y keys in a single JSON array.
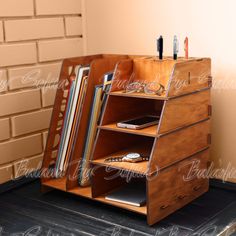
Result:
[
  {"x": 160, "y": 47},
  {"x": 186, "y": 47},
  {"x": 176, "y": 48}
]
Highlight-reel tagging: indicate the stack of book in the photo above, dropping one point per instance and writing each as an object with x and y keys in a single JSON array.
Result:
[{"x": 72, "y": 119}]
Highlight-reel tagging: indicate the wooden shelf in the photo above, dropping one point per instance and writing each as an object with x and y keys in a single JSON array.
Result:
[
  {"x": 141, "y": 210},
  {"x": 140, "y": 167},
  {"x": 86, "y": 192},
  {"x": 138, "y": 95},
  {"x": 82, "y": 191},
  {"x": 149, "y": 131},
  {"x": 56, "y": 183}
]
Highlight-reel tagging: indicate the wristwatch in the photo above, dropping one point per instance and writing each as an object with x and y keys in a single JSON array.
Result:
[{"x": 130, "y": 157}]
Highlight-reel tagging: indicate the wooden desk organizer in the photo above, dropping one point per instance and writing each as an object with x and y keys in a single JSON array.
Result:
[{"x": 178, "y": 146}]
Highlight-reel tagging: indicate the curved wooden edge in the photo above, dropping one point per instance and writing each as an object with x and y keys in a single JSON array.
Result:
[{"x": 58, "y": 115}]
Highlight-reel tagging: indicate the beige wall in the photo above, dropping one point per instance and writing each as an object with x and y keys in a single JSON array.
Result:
[
  {"x": 35, "y": 35},
  {"x": 121, "y": 26}
]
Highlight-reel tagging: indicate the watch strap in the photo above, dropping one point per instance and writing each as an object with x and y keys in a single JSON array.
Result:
[
  {"x": 145, "y": 158},
  {"x": 120, "y": 159},
  {"x": 114, "y": 159}
]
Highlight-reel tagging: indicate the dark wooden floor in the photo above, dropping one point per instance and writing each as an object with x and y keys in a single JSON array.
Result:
[{"x": 26, "y": 211}]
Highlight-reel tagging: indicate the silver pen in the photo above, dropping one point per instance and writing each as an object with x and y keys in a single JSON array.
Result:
[{"x": 176, "y": 48}]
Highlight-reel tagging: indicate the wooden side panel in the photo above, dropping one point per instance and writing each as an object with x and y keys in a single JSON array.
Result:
[
  {"x": 144, "y": 70},
  {"x": 176, "y": 186},
  {"x": 97, "y": 70},
  {"x": 122, "y": 75},
  {"x": 153, "y": 70},
  {"x": 185, "y": 110},
  {"x": 105, "y": 179},
  {"x": 190, "y": 76},
  {"x": 181, "y": 144},
  {"x": 58, "y": 115}
]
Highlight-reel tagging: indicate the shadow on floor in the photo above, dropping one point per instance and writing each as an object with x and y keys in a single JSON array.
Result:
[{"x": 26, "y": 211}]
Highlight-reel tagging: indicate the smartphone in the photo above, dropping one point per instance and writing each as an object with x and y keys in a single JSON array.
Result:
[{"x": 139, "y": 122}]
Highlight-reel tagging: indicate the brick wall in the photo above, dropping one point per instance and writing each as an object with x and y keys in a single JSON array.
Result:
[{"x": 35, "y": 35}]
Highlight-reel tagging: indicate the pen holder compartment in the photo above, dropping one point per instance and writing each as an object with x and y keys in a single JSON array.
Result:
[{"x": 142, "y": 70}]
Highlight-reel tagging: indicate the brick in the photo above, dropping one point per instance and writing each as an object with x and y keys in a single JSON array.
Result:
[
  {"x": 27, "y": 166},
  {"x": 16, "y": 30},
  {"x": 4, "y": 129},
  {"x": 48, "y": 96},
  {"x": 73, "y": 26},
  {"x": 20, "y": 148},
  {"x": 3, "y": 81},
  {"x": 59, "y": 49},
  {"x": 19, "y": 102},
  {"x": 16, "y": 8},
  {"x": 34, "y": 76},
  {"x": 1, "y": 32},
  {"x": 58, "y": 7},
  {"x": 16, "y": 54},
  {"x": 6, "y": 173},
  {"x": 31, "y": 122}
]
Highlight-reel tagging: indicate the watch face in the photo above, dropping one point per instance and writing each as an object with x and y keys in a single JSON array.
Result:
[{"x": 133, "y": 156}]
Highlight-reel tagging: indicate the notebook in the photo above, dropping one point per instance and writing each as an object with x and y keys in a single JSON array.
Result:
[
  {"x": 63, "y": 134},
  {"x": 106, "y": 88},
  {"x": 133, "y": 193},
  {"x": 76, "y": 120},
  {"x": 84, "y": 178},
  {"x": 68, "y": 122}
]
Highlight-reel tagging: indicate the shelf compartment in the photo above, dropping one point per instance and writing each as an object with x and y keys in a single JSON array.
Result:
[
  {"x": 105, "y": 181},
  {"x": 149, "y": 131},
  {"x": 124, "y": 108},
  {"x": 86, "y": 192},
  {"x": 140, "y": 167},
  {"x": 143, "y": 70},
  {"x": 110, "y": 143}
]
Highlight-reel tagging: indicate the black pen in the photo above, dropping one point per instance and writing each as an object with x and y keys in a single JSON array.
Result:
[{"x": 160, "y": 47}]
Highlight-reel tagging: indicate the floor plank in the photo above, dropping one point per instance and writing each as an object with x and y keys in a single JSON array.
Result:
[{"x": 59, "y": 213}]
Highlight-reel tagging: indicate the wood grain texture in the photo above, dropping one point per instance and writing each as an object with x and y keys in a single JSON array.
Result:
[
  {"x": 149, "y": 131},
  {"x": 184, "y": 111},
  {"x": 106, "y": 180},
  {"x": 122, "y": 75},
  {"x": 153, "y": 70},
  {"x": 190, "y": 76},
  {"x": 180, "y": 144},
  {"x": 124, "y": 108},
  {"x": 56, "y": 183},
  {"x": 175, "y": 187},
  {"x": 119, "y": 142},
  {"x": 183, "y": 130}
]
